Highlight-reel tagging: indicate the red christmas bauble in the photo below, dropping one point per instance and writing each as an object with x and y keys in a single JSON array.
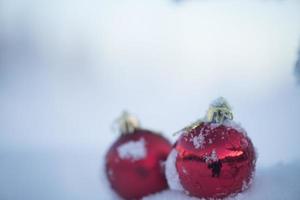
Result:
[
  {"x": 213, "y": 158},
  {"x": 135, "y": 163}
]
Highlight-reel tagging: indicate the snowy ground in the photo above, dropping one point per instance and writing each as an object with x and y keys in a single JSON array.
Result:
[
  {"x": 79, "y": 176},
  {"x": 278, "y": 182}
]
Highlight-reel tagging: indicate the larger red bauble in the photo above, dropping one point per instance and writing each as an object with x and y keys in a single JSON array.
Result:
[
  {"x": 134, "y": 164},
  {"x": 214, "y": 160}
]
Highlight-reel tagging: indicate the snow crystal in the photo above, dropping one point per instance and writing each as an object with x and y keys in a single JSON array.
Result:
[
  {"x": 184, "y": 170},
  {"x": 170, "y": 195},
  {"x": 212, "y": 157},
  {"x": 214, "y": 125},
  {"x": 219, "y": 102},
  {"x": 234, "y": 125},
  {"x": 110, "y": 173},
  {"x": 198, "y": 141},
  {"x": 245, "y": 186},
  {"x": 171, "y": 172},
  {"x": 229, "y": 124},
  {"x": 134, "y": 150}
]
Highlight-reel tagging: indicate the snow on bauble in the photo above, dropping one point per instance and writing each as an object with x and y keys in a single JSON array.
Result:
[
  {"x": 213, "y": 158},
  {"x": 171, "y": 172},
  {"x": 135, "y": 161}
]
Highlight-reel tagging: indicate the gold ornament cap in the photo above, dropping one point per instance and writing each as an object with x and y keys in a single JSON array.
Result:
[
  {"x": 127, "y": 123},
  {"x": 219, "y": 111}
]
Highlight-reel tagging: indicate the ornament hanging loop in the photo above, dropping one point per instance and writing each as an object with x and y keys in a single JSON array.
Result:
[
  {"x": 219, "y": 111},
  {"x": 127, "y": 123}
]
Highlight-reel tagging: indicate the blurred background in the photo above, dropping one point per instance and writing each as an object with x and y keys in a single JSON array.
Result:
[{"x": 68, "y": 69}]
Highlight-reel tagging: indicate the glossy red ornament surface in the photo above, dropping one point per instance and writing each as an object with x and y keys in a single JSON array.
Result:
[
  {"x": 133, "y": 179},
  {"x": 214, "y": 161}
]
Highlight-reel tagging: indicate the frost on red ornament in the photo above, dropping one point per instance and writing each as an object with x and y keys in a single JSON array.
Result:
[
  {"x": 135, "y": 163},
  {"x": 215, "y": 157}
]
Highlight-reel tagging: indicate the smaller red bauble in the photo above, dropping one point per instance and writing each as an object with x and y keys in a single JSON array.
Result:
[
  {"x": 213, "y": 158},
  {"x": 135, "y": 162}
]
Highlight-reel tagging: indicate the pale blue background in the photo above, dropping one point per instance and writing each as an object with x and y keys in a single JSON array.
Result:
[{"x": 68, "y": 69}]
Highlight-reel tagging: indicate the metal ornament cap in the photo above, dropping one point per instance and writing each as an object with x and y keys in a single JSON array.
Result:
[{"x": 127, "y": 123}]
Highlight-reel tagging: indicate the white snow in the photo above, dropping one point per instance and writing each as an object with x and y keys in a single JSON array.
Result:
[
  {"x": 229, "y": 124},
  {"x": 198, "y": 141},
  {"x": 171, "y": 172},
  {"x": 219, "y": 102},
  {"x": 278, "y": 182},
  {"x": 235, "y": 125},
  {"x": 133, "y": 150},
  {"x": 212, "y": 157},
  {"x": 61, "y": 174},
  {"x": 169, "y": 195}
]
